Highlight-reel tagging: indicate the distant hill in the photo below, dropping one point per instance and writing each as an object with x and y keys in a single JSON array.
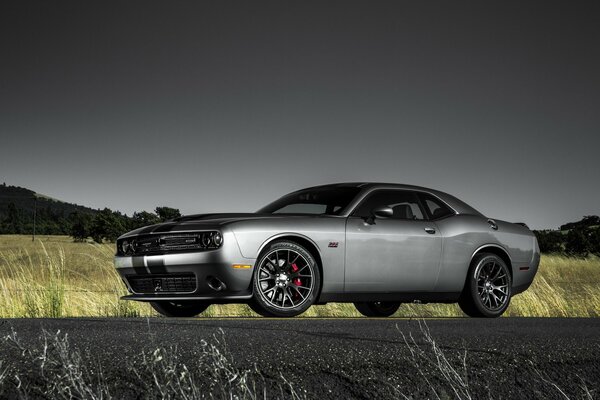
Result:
[
  {"x": 54, "y": 217},
  {"x": 589, "y": 221}
]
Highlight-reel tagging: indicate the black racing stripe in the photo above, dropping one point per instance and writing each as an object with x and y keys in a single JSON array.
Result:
[
  {"x": 137, "y": 261},
  {"x": 157, "y": 266},
  {"x": 166, "y": 227},
  {"x": 138, "y": 265},
  {"x": 145, "y": 230},
  {"x": 140, "y": 271},
  {"x": 155, "y": 262}
]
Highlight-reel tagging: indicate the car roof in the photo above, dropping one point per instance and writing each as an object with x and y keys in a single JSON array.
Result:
[{"x": 458, "y": 205}]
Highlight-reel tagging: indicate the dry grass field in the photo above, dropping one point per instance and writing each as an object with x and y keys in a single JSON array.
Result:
[{"x": 55, "y": 277}]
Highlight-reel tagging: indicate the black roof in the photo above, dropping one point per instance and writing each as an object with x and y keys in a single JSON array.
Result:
[{"x": 457, "y": 204}]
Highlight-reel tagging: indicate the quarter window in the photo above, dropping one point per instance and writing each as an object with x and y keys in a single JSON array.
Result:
[
  {"x": 435, "y": 207},
  {"x": 405, "y": 204}
]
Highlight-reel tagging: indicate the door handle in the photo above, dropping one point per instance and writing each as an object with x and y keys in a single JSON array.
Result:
[{"x": 431, "y": 231}]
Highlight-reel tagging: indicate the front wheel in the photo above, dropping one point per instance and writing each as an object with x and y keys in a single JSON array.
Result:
[
  {"x": 377, "y": 308},
  {"x": 487, "y": 290},
  {"x": 184, "y": 309},
  {"x": 286, "y": 280}
]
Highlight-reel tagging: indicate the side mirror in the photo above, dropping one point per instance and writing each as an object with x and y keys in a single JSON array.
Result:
[
  {"x": 382, "y": 212},
  {"x": 379, "y": 212}
]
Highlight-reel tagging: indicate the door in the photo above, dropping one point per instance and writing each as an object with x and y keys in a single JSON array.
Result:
[{"x": 396, "y": 254}]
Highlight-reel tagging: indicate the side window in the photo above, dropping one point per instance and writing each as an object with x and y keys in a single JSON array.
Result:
[
  {"x": 435, "y": 207},
  {"x": 404, "y": 203}
]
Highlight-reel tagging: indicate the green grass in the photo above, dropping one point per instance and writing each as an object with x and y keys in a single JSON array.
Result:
[{"x": 55, "y": 277}]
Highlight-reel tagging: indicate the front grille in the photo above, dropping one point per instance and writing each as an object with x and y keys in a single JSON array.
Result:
[
  {"x": 168, "y": 242},
  {"x": 171, "y": 283}
]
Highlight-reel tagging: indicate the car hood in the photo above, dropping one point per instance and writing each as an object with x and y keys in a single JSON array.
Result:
[{"x": 208, "y": 221}]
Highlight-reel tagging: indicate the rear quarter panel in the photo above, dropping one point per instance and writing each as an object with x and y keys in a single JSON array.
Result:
[{"x": 465, "y": 234}]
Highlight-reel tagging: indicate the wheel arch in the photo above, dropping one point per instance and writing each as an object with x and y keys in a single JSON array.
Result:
[
  {"x": 497, "y": 250},
  {"x": 303, "y": 241},
  {"x": 466, "y": 301}
]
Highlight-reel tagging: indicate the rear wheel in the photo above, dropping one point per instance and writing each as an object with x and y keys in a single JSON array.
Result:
[
  {"x": 286, "y": 280},
  {"x": 487, "y": 290},
  {"x": 377, "y": 308},
  {"x": 184, "y": 309}
]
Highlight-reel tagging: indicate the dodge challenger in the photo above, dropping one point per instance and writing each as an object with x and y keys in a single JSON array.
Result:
[{"x": 372, "y": 244}]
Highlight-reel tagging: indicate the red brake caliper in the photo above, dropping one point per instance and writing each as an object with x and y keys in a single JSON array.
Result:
[{"x": 296, "y": 281}]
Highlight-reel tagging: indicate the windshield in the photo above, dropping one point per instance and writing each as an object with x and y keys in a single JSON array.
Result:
[{"x": 327, "y": 201}]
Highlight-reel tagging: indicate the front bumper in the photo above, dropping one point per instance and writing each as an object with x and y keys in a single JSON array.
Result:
[{"x": 204, "y": 275}]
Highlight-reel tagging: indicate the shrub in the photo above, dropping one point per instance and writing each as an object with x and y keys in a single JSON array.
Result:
[
  {"x": 550, "y": 241},
  {"x": 577, "y": 242}
]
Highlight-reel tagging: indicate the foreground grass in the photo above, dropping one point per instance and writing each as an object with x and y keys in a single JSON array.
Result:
[
  {"x": 57, "y": 370},
  {"x": 55, "y": 277}
]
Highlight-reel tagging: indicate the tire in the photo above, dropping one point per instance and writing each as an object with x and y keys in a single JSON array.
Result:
[
  {"x": 257, "y": 309},
  {"x": 487, "y": 289},
  {"x": 286, "y": 280},
  {"x": 185, "y": 309},
  {"x": 377, "y": 308}
]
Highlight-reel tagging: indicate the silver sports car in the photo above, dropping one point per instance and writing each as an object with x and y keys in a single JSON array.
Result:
[{"x": 373, "y": 244}]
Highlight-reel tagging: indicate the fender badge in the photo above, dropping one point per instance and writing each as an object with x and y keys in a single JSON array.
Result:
[{"x": 333, "y": 244}]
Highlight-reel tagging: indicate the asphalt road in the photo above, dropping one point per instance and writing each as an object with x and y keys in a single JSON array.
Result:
[{"x": 354, "y": 358}]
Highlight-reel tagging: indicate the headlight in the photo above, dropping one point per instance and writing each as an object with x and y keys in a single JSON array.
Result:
[
  {"x": 206, "y": 239},
  {"x": 217, "y": 239},
  {"x": 124, "y": 246}
]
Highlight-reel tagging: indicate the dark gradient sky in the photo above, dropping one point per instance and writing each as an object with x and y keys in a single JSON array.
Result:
[{"x": 222, "y": 106}]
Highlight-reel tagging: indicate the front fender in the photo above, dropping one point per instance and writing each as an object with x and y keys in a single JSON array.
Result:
[{"x": 253, "y": 236}]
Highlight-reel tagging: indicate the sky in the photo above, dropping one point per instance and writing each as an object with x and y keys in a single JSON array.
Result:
[{"x": 220, "y": 106}]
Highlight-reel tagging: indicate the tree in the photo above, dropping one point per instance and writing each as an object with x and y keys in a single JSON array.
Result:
[
  {"x": 594, "y": 242},
  {"x": 107, "y": 225},
  {"x": 577, "y": 243},
  {"x": 586, "y": 222},
  {"x": 14, "y": 220},
  {"x": 550, "y": 241},
  {"x": 143, "y": 218},
  {"x": 80, "y": 226},
  {"x": 167, "y": 213}
]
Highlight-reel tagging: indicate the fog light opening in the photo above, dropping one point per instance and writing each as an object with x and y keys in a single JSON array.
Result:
[{"x": 215, "y": 283}]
